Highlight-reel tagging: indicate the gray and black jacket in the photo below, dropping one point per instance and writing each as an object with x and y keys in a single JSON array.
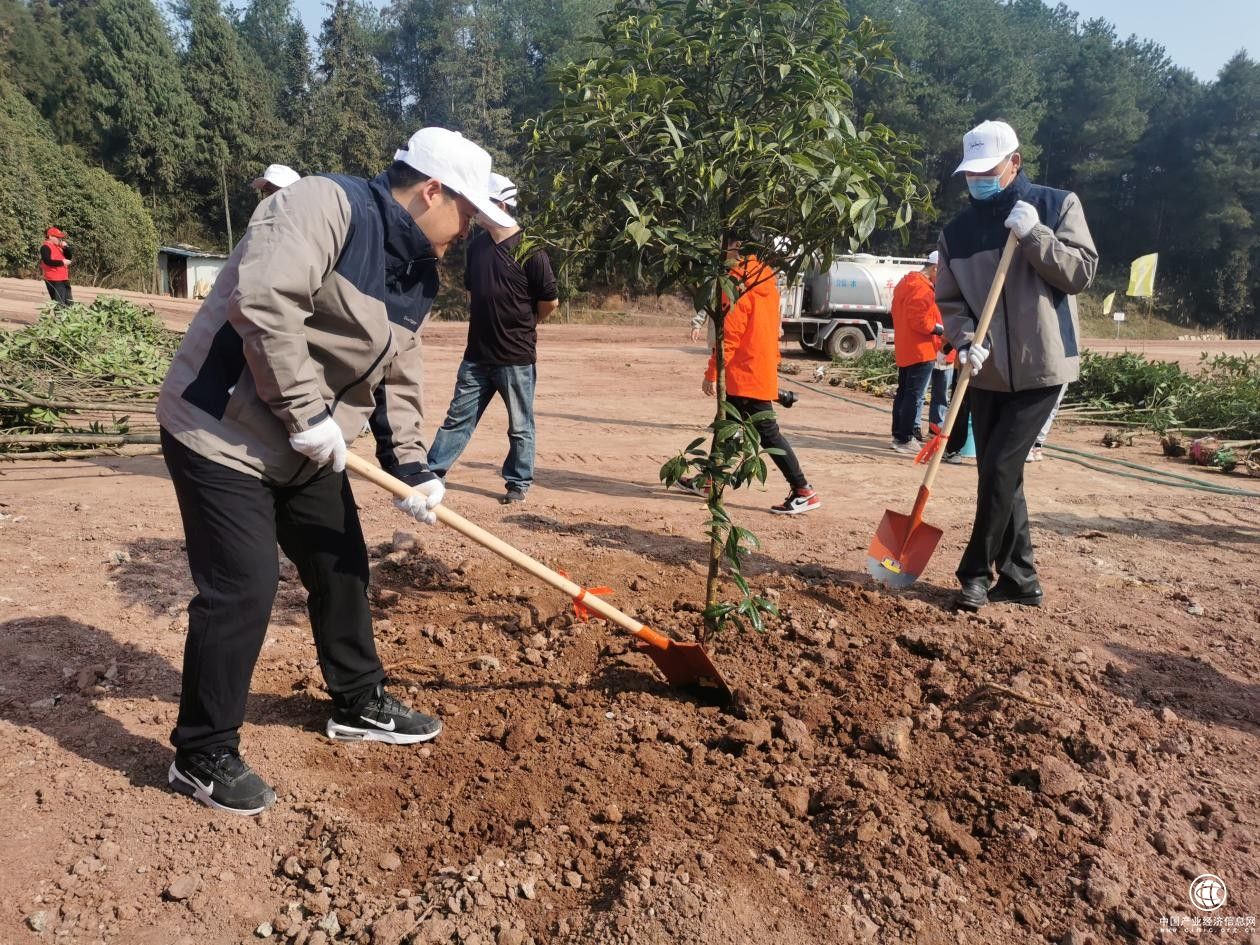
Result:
[
  {"x": 317, "y": 313},
  {"x": 1034, "y": 338}
]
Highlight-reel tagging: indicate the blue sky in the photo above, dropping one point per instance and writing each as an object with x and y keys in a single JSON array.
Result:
[{"x": 1199, "y": 37}]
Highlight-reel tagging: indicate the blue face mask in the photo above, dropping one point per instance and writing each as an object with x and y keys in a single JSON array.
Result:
[{"x": 985, "y": 188}]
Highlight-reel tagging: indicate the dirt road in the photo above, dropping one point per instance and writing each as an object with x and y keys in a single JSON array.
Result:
[{"x": 896, "y": 773}]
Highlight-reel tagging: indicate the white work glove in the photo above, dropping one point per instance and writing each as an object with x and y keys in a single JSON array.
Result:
[
  {"x": 423, "y": 500},
  {"x": 321, "y": 443},
  {"x": 973, "y": 357},
  {"x": 1022, "y": 219},
  {"x": 941, "y": 364}
]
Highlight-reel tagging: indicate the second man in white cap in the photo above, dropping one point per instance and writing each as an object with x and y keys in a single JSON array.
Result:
[{"x": 508, "y": 297}]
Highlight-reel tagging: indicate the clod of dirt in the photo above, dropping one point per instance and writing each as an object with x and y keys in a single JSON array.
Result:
[
  {"x": 611, "y": 814},
  {"x": 183, "y": 887},
  {"x": 390, "y": 862},
  {"x": 1058, "y": 778},
  {"x": 950, "y": 835},
  {"x": 390, "y": 928},
  {"x": 744, "y": 735},
  {"x": 893, "y": 739},
  {"x": 37, "y": 921},
  {"x": 795, "y": 800},
  {"x": 794, "y": 732},
  {"x": 264, "y": 930},
  {"x": 518, "y": 736}
]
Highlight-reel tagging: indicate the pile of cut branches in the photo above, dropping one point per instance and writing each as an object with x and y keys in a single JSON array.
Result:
[
  {"x": 83, "y": 379},
  {"x": 1222, "y": 398},
  {"x": 873, "y": 371}
]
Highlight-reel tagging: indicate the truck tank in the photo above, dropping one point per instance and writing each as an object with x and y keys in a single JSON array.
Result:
[{"x": 860, "y": 283}]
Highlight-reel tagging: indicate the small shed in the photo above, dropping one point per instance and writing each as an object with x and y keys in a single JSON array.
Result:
[{"x": 185, "y": 272}]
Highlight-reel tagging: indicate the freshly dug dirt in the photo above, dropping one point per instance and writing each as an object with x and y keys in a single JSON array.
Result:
[{"x": 893, "y": 772}]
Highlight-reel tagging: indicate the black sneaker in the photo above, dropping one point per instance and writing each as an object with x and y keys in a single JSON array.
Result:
[
  {"x": 382, "y": 718},
  {"x": 220, "y": 779},
  {"x": 512, "y": 496}
]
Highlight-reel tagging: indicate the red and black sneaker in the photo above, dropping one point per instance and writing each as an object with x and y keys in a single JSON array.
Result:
[{"x": 798, "y": 502}]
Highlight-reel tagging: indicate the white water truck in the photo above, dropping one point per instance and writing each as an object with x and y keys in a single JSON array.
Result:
[{"x": 837, "y": 313}]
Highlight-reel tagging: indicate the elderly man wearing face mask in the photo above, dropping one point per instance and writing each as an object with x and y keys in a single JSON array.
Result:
[{"x": 1031, "y": 352}]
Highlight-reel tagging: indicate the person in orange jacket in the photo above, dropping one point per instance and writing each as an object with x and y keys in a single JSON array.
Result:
[
  {"x": 54, "y": 266},
  {"x": 751, "y": 349},
  {"x": 916, "y": 328}
]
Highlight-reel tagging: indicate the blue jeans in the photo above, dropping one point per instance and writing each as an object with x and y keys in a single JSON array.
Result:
[
  {"x": 941, "y": 384},
  {"x": 475, "y": 387},
  {"x": 912, "y": 384}
]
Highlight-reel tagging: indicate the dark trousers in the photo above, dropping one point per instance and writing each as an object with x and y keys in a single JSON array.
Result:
[
  {"x": 958, "y": 435},
  {"x": 1005, "y": 425},
  {"x": 772, "y": 438},
  {"x": 912, "y": 384},
  {"x": 59, "y": 291},
  {"x": 232, "y": 522}
]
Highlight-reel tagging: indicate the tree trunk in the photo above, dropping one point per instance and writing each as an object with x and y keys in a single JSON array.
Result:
[
  {"x": 227, "y": 213},
  {"x": 718, "y": 314}
]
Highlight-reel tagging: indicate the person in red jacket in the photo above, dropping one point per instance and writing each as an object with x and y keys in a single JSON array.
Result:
[
  {"x": 751, "y": 350},
  {"x": 916, "y": 328},
  {"x": 54, "y": 265}
]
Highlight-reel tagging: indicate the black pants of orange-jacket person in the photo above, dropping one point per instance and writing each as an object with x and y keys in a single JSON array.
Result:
[
  {"x": 1005, "y": 425},
  {"x": 232, "y": 523}
]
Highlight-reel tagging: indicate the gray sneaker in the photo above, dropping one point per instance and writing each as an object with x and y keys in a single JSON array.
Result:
[
  {"x": 908, "y": 447},
  {"x": 512, "y": 496},
  {"x": 954, "y": 459}
]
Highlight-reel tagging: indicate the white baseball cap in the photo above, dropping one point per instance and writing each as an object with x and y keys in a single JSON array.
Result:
[
  {"x": 278, "y": 175},
  {"x": 985, "y": 145},
  {"x": 449, "y": 157},
  {"x": 502, "y": 189},
  {"x": 933, "y": 257}
]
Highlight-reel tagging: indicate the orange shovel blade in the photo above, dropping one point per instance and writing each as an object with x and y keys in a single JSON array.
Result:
[
  {"x": 900, "y": 550},
  {"x": 687, "y": 666}
]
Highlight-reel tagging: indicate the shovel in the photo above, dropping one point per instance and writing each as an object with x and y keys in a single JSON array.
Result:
[
  {"x": 903, "y": 544},
  {"x": 685, "y": 665}
]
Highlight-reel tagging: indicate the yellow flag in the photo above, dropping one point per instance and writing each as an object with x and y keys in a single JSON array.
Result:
[
  {"x": 1142, "y": 276},
  {"x": 1111, "y": 297}
]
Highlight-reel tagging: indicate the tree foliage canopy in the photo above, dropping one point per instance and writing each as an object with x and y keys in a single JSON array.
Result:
[{"x": 707, "y": 121}]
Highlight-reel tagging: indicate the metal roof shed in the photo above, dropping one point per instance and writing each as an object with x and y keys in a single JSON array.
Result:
[{"x": 185, "y": 272}]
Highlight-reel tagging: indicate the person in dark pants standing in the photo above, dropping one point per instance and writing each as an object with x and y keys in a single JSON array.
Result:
[
  {"x": 916, "y": 328},
  {"x": 1031, "y": 351},
  {"x": 311, "y": 331},
  {"x": 751, "y": 351},
  {"x": 54, "y": 265},
  {"x": 508, "y": 298}
]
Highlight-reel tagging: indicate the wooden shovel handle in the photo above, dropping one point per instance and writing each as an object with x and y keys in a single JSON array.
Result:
[
  {"x": 377, "y": 476},
  {"x": 982, "y": 332}
]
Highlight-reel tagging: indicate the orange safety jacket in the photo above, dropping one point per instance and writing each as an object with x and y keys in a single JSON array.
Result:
[
  {"x": 751, "y": 342},
  {"x": 914, "y": 315}
]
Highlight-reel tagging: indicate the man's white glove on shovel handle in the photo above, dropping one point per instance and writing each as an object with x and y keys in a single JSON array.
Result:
[
  {"x": 973, "y": 357},
  {"x": 1023, "y": 217},
  {"x": 423, "y": 500},
  {"x": 321, "y": 443}
]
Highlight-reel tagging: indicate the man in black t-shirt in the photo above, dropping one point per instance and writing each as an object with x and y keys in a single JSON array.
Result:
[{"x": 508, "y": 300}]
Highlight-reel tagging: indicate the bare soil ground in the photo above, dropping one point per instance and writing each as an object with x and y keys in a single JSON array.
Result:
[{"x": 895, "y": 772}]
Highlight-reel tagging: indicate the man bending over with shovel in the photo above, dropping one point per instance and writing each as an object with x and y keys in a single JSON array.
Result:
[
  {"x": 310, "y": 332},
  {"x": 1032, "y": 348}
]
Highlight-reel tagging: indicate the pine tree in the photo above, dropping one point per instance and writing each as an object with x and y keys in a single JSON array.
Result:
[
  {"x": 348, "y": 132},
  {"x": 145, "y": 121},
  {"x": 237, "y": 113}
]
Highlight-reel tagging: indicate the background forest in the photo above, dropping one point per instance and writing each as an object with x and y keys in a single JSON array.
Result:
[{"x": 131, "y": 124}]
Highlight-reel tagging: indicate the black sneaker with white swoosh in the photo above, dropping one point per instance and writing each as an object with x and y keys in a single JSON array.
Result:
[
  {"x": 219, "y": 778},
  {"x": 382, "y": 718}
]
